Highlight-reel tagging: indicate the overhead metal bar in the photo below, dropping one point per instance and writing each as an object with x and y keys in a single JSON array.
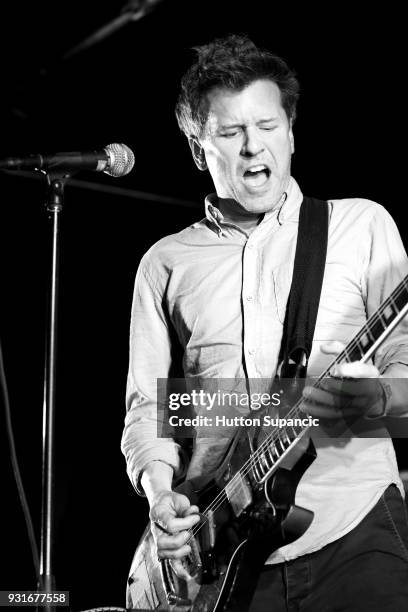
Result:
[{"x": 132, "y": 11}]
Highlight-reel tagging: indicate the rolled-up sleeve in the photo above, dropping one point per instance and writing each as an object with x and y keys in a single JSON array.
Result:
[
  {"x": 386, "y": 265},
  {"x": 149, "y": 359}
]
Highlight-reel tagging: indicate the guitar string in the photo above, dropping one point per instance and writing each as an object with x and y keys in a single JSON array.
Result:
[
  {"x": 346, "y": 354},
  {"x": 250, "y": 464},
  {"x": 274, "y": 436},
  {"x": 236, "y": 481}
]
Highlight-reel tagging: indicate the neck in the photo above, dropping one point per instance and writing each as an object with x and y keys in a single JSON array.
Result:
[{"x": 234, "y": 213}]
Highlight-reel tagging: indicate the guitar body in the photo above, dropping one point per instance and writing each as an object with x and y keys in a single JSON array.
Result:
[{"x": 238, "y": 533}]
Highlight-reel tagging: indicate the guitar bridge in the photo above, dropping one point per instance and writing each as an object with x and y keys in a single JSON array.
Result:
[{"x": 169, "y": 587}]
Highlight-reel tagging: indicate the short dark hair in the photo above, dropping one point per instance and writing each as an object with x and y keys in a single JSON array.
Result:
[{"x": 232, "y": 62}]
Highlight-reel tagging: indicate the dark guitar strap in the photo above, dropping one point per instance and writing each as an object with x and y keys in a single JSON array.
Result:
[{"x": 304, "y": 296}]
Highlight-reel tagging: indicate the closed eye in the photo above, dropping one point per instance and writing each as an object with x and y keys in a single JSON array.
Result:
[{"x": 229, "y": 134}]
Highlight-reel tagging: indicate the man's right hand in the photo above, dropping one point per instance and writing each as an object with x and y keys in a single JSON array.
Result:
[
  {"x": 172, "y": 517},
  {"x": 171, "y": 513}
]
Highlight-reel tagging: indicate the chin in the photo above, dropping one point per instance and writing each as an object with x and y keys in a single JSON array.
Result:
[{"x": 260, "y": 205}]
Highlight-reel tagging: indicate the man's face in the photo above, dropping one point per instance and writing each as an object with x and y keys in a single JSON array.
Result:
[{"x": 247, "y": 145}]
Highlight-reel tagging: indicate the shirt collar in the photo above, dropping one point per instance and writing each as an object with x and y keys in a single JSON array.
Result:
[{"x": 288, "y": 209}]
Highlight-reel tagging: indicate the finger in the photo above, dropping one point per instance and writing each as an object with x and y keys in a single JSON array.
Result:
[
  {"x": 179, "y": 568},
  {"x": 314, "y": 395},
  {"x": 174, "y": 554},
  {"x": 323, "y": 412},
  {"x": 332, "y": 348},
  {"x": 172, "y": 542},
  {"x": 333, "y": 411},
  {"x": 353, "y": 387},
  {"x": 322, "y": 404},
  {"x": 344, "y": 387},
  {"x": 191, "y": 510},
  {"x": 181, "y": 503},
  {"x": 355, "y": 369},
  {"x": 173, "y": 524}
]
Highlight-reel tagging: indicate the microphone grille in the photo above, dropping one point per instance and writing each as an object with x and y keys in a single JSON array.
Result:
[{"x": 121, "y": 159}]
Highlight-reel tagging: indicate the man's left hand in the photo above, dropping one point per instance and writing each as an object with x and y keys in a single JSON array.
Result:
[{"x": 352, "y": 389}]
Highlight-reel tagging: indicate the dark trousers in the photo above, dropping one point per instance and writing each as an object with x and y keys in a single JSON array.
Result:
[{"x": 366, "y": 570}]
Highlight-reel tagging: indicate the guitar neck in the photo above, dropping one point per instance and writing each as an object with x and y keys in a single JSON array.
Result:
[
  {"x": 361, "y": 348},
  {"x": 377, "y": 328}
]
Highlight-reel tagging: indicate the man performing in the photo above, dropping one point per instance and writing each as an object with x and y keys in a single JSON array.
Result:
[{"x": 219, "y": 289}]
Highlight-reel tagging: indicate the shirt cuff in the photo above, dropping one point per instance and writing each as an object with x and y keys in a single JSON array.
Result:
[
  {"x": 179, "y": 467},
  {"x": 386, "y": 398}
]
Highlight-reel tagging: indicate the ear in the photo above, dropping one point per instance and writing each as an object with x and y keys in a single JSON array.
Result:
[
  {"x": 291, "y": 137},
  {"x": 197, "y": 152}
]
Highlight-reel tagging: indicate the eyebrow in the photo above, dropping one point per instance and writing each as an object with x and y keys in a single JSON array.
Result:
[
  {"x": 268, "y": 120},
  {"x": 229, "y": 126}
]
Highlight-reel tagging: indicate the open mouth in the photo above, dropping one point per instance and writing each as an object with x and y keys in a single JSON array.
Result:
[{"x": 256, "y": 176}]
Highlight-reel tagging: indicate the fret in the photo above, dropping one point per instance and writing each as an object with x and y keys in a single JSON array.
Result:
[
  {"x": 400, "y": 295},
  {"x": 299, "y": 431},
  {"x": 294, "y": 433},
  {"x": 285, "y": 439},
  {"x": 377, "y": 328},
  {"x": 370, "y": 335},
  {"x": 283, "y": 447},
  {"x": 264, "y": 462},
  {"x": 355, "y": 353},
  {"x": 261, "y": 465},
  {"x": 364, "y": 341},
  {"x": 258, "y": 467},
  {"x": 256, "y": 470},
  {"x": 394, "y": 305},
  {"x": 380, "y": 316},
  {"x": 298, "y": 414},
  {"x": 347, "y": 354},
  {"x": 270, "y": 456},
  {"x": 273, "y": 448},
  {"x": 288, "y": 441},
  {"x": 388, "y": 313}
]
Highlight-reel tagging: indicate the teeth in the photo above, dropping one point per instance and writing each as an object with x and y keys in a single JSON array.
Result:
[{"x": 257, "y": 168}]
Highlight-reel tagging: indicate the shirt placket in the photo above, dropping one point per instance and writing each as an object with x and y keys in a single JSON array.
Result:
[{"x": 249, "y": 305}]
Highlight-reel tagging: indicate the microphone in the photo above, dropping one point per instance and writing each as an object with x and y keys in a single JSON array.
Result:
[{"x": 115, "y": 160}]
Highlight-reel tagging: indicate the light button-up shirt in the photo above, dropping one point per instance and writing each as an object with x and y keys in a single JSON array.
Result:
[{"x": 220, "y": 295}]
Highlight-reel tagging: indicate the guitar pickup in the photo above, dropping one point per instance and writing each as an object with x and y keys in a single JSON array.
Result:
[{"x": 239, "y": 494}]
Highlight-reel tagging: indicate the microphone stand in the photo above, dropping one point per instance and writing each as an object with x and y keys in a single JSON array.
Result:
[{"x": 54, "y": 205}]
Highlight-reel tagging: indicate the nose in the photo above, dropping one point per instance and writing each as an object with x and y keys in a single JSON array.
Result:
[{"x": 252, "y": 144}]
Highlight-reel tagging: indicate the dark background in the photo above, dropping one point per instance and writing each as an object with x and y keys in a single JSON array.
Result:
[{"x": 350, "y": 124}]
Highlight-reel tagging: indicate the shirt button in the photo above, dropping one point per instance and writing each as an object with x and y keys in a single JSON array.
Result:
[
  {"x": 250, "y": 246},
  {"x": 249, "y": 298},
  {"x": 251, "y": 351}
]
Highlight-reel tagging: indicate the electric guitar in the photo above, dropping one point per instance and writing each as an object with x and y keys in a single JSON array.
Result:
[{"x": 248, "y": 504}]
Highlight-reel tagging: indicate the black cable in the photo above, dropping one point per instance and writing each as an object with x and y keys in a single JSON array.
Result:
[
  {"x": 17, "y": 473},
  {"x": 111, "y": 190}
]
